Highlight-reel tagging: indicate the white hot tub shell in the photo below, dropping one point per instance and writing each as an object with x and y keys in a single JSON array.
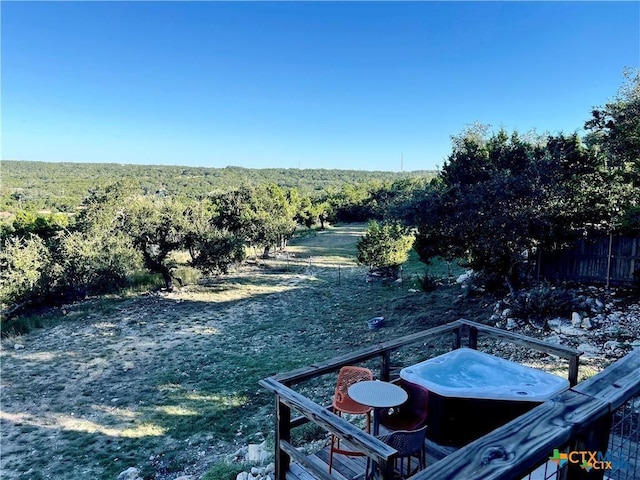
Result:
[{"x": 472, "y": 393}]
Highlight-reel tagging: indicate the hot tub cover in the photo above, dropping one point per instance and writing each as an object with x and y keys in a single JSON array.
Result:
[{"x": 467, "y": 373}]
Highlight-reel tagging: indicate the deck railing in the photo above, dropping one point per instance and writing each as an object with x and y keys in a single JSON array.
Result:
[{"x": 288, "y": 400}]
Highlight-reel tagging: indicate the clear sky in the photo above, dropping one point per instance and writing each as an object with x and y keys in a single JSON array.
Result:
[{"x": 349, "y": 85}]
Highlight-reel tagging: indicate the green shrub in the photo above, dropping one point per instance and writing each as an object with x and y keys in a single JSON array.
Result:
[
  {"x": 224, "y": 471},
  {"x": 91, "y": 263},
  {"x": 385, "y": 246},
  {"x": 26, "y": 270},
  {"x": 543, "y": 302},
  {"x": 428, "y": 282}
]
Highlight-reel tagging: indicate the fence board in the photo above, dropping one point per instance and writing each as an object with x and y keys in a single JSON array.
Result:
[{"x": 610, "y": 260}]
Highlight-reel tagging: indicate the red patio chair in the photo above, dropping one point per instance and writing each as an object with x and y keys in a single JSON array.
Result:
[{"x": 412, "y": 414}]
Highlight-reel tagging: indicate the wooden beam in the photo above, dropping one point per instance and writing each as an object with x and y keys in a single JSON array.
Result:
[
  {"x": 617, "y": 383},
  {"x": 574, "y": 364},
  {"x": 351, "y": 358},
  {"x": 385, "y": 366},
  {"x": 473, "y": 337},
  {"x": 283, "y": 434},
  {"x": 303, "y": 460},
  {"x": 560, "y": 350}
]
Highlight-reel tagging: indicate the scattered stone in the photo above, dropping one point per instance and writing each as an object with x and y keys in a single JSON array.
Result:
[
  {"x": 243, "y": 476},
  {"x": 612, "y": 345},
  {"x": 240, "y": 453},
  {"x": 186, "y": 477},
  {"x": 257, "y": 453},
  {"x": 18, "y": 346},
  {"x": 257, "y": 471},
  {"x": 590, "y": 351},
  {"x": 464, "y": 277},
  {"x": 612, "y": 330},
  {"x": 511, "y": 324},
  {"x": 576, "y": 319},
  {"x": 555, "y": 324},
  {"x": 555, "y": 339},
  {"x": 130, "y": 473},
  {"x": 586, "y": 323}
]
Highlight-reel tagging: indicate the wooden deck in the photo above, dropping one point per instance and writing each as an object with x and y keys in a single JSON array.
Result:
[
  {"x": 580, "y": 417},
  {"x": 353, "y": 468}
]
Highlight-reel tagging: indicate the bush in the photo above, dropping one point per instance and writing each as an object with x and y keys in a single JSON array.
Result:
[
  {"x": 542, "y": 303},
  {"x": 428, "y": 282},
  {"x": 93, "y": 263},
  {"x": 26, "y": 271},
  {"x": 385, "y": 246},
  {"x": 224, "y": 471}
]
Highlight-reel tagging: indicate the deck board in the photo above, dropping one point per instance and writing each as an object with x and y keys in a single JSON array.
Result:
[{"x": 353, "y": 468}]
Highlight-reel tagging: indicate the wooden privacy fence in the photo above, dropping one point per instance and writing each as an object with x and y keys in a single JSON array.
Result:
[
  {"x": 612, "y": 260},
  {"x": 289, "y": 401}
]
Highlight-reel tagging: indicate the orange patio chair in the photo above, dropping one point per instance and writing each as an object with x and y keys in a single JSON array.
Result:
[{"x": 343, "y": 403}]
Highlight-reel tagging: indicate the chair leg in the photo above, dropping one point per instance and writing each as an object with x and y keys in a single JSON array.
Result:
[{"x": 335, "y": 444}]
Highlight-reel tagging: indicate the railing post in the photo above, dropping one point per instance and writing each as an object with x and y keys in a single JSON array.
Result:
[
  {"x": 473, "y": 338},
  {"x": 574, "y": 362},
  {"x": 385, "y": 365},
  {"x": 596, "y": 439},
  {"x": 457, "y": 339},
  {"x": 283, "y": 432},
  {"x": 384, "y": 471}
]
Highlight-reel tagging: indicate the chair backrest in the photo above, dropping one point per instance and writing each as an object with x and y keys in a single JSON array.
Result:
[
  {"x": 418, "y": 397},
  {"x": 347, "y": 377},
  {"x": 407, "y": 442}
]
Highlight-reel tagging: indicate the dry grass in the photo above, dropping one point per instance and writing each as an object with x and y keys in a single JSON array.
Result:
[{"x": 168, "y": 382}]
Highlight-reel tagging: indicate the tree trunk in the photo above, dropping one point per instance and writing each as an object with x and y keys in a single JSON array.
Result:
[
  {"x": 156, "y": 266},
  {"x": 267, "y": 249},
  {"x": 166, "y": 276}
]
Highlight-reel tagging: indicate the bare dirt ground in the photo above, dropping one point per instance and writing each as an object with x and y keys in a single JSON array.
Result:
[{"x": 167, "y": 382}]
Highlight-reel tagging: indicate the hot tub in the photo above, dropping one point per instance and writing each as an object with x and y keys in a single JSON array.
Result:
[{"x": 472, "y": 393}]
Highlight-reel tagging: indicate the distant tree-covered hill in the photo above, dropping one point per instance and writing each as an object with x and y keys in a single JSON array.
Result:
[{"x": 62, "y": 186}]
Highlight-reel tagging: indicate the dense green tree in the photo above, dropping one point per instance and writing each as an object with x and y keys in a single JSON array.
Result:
[
  {"x": 492, "y": 204},
  {"x": 385, "y": 246},
  {"x": 614, "y": 136},
  {"x": 96, "y": 262},
  {"x": 262, "y": 216},
  {"x": 157, "y": 227},
  {"x": 212, "y": 250},
  {"x": 44, "y": 225},
  {"x": 615, "y": 127}
]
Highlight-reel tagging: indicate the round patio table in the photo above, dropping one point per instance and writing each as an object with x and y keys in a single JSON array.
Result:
[{"x": 378, "y": 395}]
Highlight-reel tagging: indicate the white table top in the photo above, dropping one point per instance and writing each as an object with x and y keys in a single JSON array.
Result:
[{"x": 377, "y": 394}]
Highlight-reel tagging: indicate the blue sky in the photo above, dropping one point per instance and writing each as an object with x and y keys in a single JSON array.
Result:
[{"x": 349, "y": 85}]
